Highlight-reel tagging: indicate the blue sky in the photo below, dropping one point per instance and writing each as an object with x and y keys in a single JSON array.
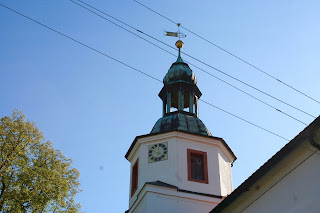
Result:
[{"x": 92, "y": 108}]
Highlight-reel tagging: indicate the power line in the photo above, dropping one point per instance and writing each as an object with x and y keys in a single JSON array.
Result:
[
  {"x": 232, "y": 54},
  {"x": 244, "y": 120},
  {"x": 131, "y": 67},
  {"x": 189, "y": 56},
  {"x": 83, "y": 44},
  {"x": 234, "y": 78}
]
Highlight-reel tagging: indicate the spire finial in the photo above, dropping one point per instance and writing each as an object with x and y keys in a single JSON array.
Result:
[{"x": 179, "y": 45}]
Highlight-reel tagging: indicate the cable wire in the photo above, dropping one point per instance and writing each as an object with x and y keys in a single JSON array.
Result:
[
  {"x": 234, "y": 78},
  {"x": 232, "y": 54},
  {"x": 135, "y": 69},
  {"x": 189, "y": 56}
]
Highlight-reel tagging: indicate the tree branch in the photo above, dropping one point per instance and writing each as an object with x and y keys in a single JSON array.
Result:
[
  {"x": 1, "y": 194},
  {"x": 13, "y": 149}
]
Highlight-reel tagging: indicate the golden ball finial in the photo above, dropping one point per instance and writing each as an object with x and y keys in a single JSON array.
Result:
[{"x": 179, "y": 44}]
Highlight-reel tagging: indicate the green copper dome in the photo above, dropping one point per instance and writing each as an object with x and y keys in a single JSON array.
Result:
[
  {"x": 180, "y": 92},
  {"x": 180, "y": 72},
  {"x": 181, "y": 121}
]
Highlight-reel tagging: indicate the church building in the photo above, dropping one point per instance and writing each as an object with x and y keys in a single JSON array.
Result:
[{"x": 179, "y": 166}]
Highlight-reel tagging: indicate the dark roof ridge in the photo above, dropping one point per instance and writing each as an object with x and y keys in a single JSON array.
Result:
[{"x": 160, "y": 183}]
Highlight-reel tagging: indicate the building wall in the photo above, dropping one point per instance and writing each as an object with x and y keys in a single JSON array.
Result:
[
  {"x": 159, "y": 200},
  {"x": 174, "y": 170},
  {"x": 165, "y": 171},
  {"x": 298, "y": 191},
  {"x": 213, "y": 186},
  {"x": 226, "y": 183}
]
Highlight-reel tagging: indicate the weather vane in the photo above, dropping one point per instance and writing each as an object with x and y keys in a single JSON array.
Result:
[{"x": 175, "y": 34}]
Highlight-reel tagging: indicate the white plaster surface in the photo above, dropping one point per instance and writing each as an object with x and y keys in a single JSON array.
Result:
[
  {"x": 296, "y": 192},
  {"x": 155, "y": 199},
  {"x": 225, "y": 175},
  {"x": 174, "y": 170}
]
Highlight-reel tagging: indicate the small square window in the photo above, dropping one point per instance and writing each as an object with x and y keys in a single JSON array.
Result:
[{"x": 197, "y": 166}]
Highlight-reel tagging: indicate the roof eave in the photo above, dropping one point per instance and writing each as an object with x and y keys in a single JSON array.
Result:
[{"x": 308, "y": 132}]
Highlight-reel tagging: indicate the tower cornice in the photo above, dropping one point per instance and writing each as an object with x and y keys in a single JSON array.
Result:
[{"x": 211, "y": 140}]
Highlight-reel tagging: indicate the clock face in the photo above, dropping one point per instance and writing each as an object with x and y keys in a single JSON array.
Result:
[{"x": 158, "y": 152}]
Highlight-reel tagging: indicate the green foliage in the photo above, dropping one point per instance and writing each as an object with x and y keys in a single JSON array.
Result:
[{"x": 34, "y": 177}]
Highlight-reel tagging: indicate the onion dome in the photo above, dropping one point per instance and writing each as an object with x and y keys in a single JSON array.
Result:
[
  {"x": 181, "y": 121},
  {"x": 180, "y": 72}
]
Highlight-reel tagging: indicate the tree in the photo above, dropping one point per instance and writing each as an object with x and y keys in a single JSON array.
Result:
[{"x": 34, "y": 177}]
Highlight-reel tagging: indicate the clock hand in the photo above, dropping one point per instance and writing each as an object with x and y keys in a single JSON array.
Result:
[{"x": 152, "y": 149}]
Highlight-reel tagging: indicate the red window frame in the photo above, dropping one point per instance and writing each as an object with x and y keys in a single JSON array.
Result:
[
  {"x": 205, "y": 165},
  {"x": 134, "y": 177}
]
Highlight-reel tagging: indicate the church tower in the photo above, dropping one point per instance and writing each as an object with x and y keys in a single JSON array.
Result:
[{"x": 179, "y": 166}]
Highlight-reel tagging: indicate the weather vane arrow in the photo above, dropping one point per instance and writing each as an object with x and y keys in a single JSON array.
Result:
[{"x": 175, "y": 34}]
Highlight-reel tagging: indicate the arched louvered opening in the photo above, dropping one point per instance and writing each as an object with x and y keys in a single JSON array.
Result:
[{"x": 178, "y": 100}]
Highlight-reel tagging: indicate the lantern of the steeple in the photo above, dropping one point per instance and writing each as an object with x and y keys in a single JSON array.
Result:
[
  {"x": 180, "y": 96},
  {"x": 180, "y": 90}
]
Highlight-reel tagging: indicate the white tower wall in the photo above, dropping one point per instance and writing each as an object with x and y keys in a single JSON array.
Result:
[{"x": 174, "y": 171}]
